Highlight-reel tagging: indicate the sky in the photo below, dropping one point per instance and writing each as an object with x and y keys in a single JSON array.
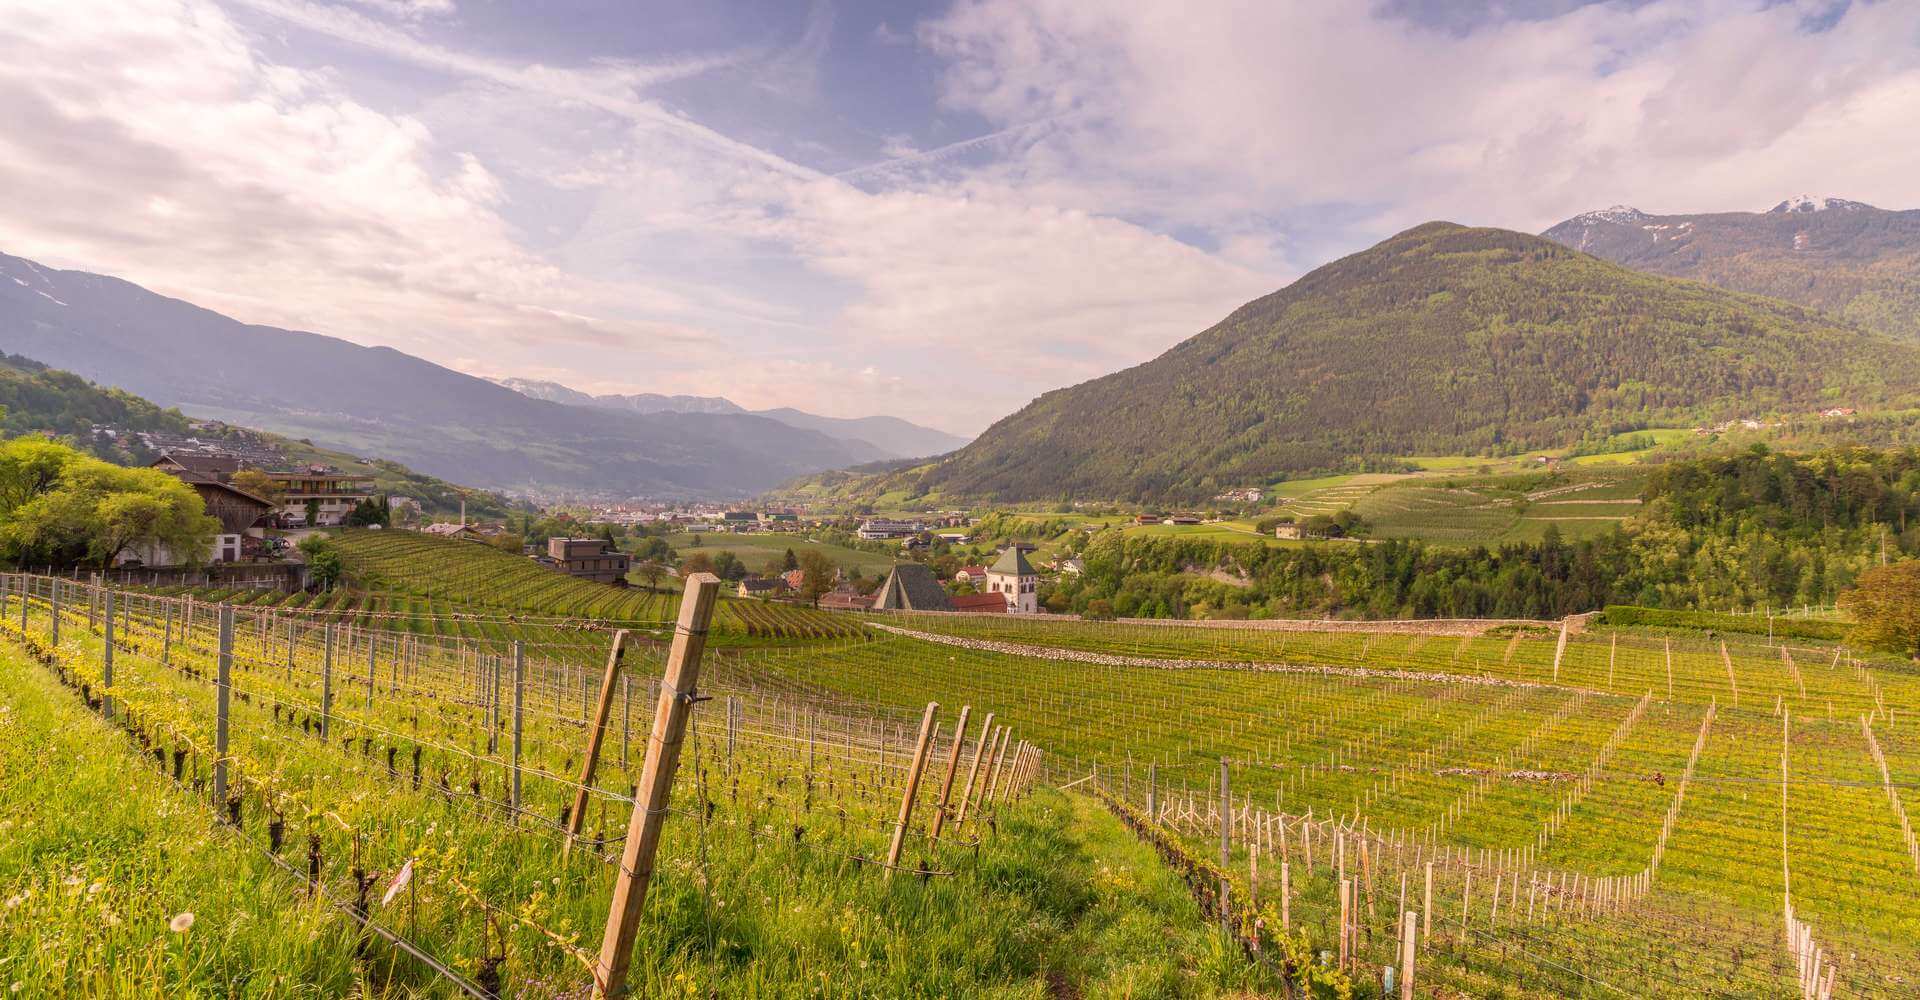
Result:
[{"x": 936, "y": 210}]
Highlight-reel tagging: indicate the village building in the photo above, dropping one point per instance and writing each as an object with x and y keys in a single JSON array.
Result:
[
  {"x": 988, "y": 603},
  {"x": 756, "y": 586},
  {"x": 1286, "y": 529},
  {"x": 589, "y": 559},
  {"x": 876, "y": 529},
  {"x": 912, "y": 587},
  {"x": 973, "y": 575},
  {"x": 1072, "y": 566},
  {"x": 452, "y": 529},
  {"x": 845, "y": 598},
  {"x": 1014, "y": 577},
  {"x": 794, "y": 578},
  {"x": 333, "y": 496},
  {"x": 242, "y": 515},
  {"x": 218, "y": 468}
]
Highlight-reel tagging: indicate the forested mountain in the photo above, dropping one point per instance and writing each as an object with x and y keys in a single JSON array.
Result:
[
  {"x": 112, "y": 424},
  {"x": 1851, "y": 259},
  {"x": 1441, "y": 340},
  {"x": 376, "y": 400},
  {"x": 892, "y": 436},
  {"x": 37, "y": 399}
]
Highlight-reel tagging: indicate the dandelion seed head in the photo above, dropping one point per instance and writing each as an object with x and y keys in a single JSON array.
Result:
[{"x": 181, "y": 923}]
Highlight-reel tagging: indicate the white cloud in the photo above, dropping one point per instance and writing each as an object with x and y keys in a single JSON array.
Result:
[
  {"x": 1201, "y": 114},
  {"x": 565, "y": 221}
]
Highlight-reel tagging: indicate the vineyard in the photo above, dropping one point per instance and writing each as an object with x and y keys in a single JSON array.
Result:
[{"x": 1140, "y": 809}]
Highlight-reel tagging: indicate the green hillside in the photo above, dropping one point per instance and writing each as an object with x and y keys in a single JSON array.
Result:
[{"x": 1441, "y": 340}]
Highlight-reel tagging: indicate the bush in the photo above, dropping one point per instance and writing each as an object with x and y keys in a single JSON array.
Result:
[{"x": 1713, "y": 621}]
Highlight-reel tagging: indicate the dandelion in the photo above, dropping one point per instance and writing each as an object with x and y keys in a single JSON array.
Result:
[{"x": 181, "y": 923}]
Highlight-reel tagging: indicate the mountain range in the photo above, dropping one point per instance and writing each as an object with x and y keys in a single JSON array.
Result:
[
  {"x": 1441, "y": 340},
  {"x": 1848, "y": 258},
  {"x": 379, "y": 401},
  {"x": 894, "y": 437}
]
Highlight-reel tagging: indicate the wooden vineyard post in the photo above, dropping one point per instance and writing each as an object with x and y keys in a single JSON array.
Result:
[
  {"x": 372, "y": 646},
  {"x": 596, "y": 735},
  {"x": 106, "y": 662},
  {"x": 1426, "y": 905},
  {"x": 953, "y": 769},
  {"x": 223, "y": 694},
  {"x": 1406, "y": 955},
  {"x": 999, "y": 758},
  {"x": 1669, "y": 669},
  {"x": 166, "y": 636},
  {"x": 493, "y": 704},
  {"x": 55, "y": 605},
  {"x": 1559, "y": 650},
  {"x": 973, "y": 770},
  {"x": 26, "y": 598},
  {"x": 1731, "y": 683},
  {"x": 678, "y": 691},
  {"x": 326, "y": 683},
  {"x": 1153, "y": 781},
  {"x": 1226, "y": 843},
  {"x": 519, "y": 709},
  {"x": 1287, "y": 891},
  {"x": 912, "y": 788}
]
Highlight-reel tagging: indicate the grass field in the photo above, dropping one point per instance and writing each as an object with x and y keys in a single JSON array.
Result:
[
  {"x": 1630, "y": 800},
  {"x": 763, "y": 553}
]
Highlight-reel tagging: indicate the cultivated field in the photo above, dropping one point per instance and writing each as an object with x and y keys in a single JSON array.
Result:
[{"x": 1596, "y": 813}]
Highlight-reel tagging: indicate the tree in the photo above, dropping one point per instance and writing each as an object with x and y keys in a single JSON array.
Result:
[
  {"x": 1885, "y": 605},
  {"x": 59, "y": 507},
  {"x": 699, "y": 562},
  {"x": 368, "y": 513},
  {"x": 816, "y": 575},
  {"x": 324, "y": 565},
  {"x": 313, "y": 512},
  {"x": 790, "y": 563},
  {"x": 728, "y": 566},
  {"x": 261, "y": 485},
  {"x": 651, "y": 570}
]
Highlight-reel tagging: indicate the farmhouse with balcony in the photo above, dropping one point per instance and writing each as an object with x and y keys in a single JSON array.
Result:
[
  {"x": 589, "y": 558},
  {"x": 333, "y": 495}
]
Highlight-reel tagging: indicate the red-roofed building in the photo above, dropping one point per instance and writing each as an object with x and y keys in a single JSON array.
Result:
[
  {"x": 976, "y": 575},
  {"x": 991, "y": 604}
]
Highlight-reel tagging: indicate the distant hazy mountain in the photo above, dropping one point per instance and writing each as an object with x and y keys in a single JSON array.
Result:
[
  {"x": 643, "y": 402},
  {"x": 891, "y": 435},
  {"x": 379, "y": 401},
  {"x": 1441, "y": 340},
  {"x": 1848, "y": 258}
]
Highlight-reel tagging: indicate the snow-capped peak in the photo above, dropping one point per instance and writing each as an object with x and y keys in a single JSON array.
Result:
[
  {"x": 1808, "y": 203},
  {"x": 1621, "y": 214}
]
